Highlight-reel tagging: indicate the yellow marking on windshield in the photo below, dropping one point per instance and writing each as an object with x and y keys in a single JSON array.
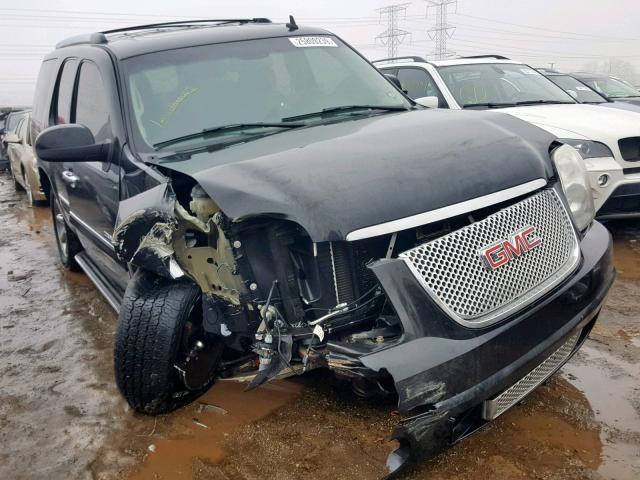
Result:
[{"x": 173, "y": 107}]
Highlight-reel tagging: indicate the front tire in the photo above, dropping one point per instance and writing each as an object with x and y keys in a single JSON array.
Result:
[
  {"x": 68, "y": 243},
  {"x": 159, "y": 330}
]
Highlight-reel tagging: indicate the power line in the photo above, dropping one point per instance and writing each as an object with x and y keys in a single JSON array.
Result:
[
  {"x": 393, "y": 36},
  {"x": 545, "y": 29}
]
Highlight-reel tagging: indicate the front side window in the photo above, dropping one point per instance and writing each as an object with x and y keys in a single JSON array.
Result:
[
  {"x": 18, "y": 130},
  {"x": 92, "y": 110},
  {"x": 62, "y": 113},
  {"x": 612, "y": 88},
  {"x": 488, "y": 85},
  {"x": 576, "y": 89},
  {"x": 418, "y": 83},
  {"x": 184, "y": 91},
  {"x": 22, "y": 129}
]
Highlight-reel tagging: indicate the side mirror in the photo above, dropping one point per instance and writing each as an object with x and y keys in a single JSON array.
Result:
[
  {"x": 394, "y": 79},
  {"x": 429, "y": 102},
  {"x": 70, "y": 143},
  {"x": 12, "y": 137}
]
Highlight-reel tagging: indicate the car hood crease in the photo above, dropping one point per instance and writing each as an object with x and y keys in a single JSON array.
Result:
[{"x": 336, "y": 178}]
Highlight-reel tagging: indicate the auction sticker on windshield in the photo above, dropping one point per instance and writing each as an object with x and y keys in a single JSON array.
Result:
[{"x": 312, "y": 42}]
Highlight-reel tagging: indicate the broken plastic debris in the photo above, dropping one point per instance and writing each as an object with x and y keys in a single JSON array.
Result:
[
  {"x": 199, "y": 423},
  {"x": 152, "y": 448},
  {"x": 207, "y": 407}
]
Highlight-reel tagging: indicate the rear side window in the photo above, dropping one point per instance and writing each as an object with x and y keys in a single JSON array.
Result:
[
  {"x": 62, "y": 112},
  {"x": 43, "y": 96},
  {"x": 92, "y": 111}
]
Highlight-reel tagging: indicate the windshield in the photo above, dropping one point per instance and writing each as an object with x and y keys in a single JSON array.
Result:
[
  {"x": 182, "y": 92},
  {"x": 486, "y": 85},
  {"x": 576, "y": 89},
  {"x": 612, "y": 87}
]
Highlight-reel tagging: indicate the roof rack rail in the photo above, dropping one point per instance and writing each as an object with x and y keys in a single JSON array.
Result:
[
  {"x": 497, "y": 57},
  {"x": 218, "y": 21},
  {"x": 95, "y": 38},
  {"x": 413, "y": 58},
  {"x": 100, "y": 37}
]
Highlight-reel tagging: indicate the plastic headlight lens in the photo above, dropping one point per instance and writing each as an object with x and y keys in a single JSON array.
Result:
[
  {"x": 589, "y": 148},
  {"x": 575, "y": 184}
]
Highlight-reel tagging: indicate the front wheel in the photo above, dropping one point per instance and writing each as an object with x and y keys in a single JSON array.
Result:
[
  {"x": 68, "y": 243},
  {"x": 163, "y": 358}
]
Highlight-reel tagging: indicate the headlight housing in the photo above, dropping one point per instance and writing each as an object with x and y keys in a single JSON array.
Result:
[
  {"x": 588, "y": 148},
  {"x": 575, "y": 184}
]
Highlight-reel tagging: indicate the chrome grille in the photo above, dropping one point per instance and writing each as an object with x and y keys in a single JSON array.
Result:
[
  {"x": 500, "y": 404},
  {"x": 451, "y": 270}
]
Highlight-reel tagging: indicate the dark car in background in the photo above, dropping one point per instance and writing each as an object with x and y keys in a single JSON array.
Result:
[
  {"x": 583, "y": 93},
  {"x": 257, "y": 199},
  {"x": 610, "y": 87}
]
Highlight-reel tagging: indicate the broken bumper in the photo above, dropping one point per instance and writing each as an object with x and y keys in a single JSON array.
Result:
[{"x": 443, "y": 371}]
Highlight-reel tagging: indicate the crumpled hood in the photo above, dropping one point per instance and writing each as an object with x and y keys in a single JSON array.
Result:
[
  {"x": 337, "y": 178},
  {"x": 593, "y": 122}
]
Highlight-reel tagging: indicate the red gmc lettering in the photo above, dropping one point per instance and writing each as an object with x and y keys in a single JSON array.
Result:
[{"x": 504, "y": 251}]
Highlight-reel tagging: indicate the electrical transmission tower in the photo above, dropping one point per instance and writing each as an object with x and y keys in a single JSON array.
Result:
[
  {"x": 393, "y": 36},
  {"x": 441, "y": 31}
]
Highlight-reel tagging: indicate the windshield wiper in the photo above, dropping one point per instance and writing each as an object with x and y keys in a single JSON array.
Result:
[
  {"x": 226, "y": 128},
  {"x": 490, "y": 105},
  {"x": 543, "y": 102},
  {"x": 343, "y": 109}
]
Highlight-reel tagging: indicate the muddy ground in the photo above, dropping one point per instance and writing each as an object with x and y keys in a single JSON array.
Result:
[{"x": 62, "y": 418}]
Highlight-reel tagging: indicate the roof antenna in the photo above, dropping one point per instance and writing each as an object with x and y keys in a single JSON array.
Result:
[{"x": 292, "y": 25}]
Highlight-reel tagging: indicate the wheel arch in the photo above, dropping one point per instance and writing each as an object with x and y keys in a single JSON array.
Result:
[{"x": 45, "y": 183}]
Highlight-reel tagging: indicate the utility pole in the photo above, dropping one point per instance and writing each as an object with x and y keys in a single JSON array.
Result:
[
  {"x": 441, "y": 31},
  {"x": 393, "y": 36}
]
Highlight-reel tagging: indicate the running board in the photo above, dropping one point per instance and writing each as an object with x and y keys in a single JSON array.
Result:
[{"x": 111, "y": 295}]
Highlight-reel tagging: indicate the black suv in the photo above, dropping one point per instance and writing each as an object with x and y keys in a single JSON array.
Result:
[{"x": 257, "y": 199}]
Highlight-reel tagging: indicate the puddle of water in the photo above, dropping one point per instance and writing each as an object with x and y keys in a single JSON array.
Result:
[
  {"x": 626, "y": 245},
  {"x": 197, "y": 432},
  {"x": 611, "y": 385}
]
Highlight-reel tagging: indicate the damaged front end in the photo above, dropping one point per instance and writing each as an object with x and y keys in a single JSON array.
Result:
[{"x": 409, "y": 313}]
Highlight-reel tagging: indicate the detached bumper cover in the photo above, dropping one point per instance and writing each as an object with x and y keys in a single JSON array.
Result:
[{"x": 443, "y": 371}]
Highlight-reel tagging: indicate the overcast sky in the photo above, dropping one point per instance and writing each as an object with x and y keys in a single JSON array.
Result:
[{"x": 570, "y": 34}]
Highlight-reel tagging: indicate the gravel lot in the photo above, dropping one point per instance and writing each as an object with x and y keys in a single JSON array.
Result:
[{"x": 62, "y": 418}]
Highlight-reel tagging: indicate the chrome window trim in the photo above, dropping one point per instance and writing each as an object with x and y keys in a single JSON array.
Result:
[{"x": 446, "y": 212}]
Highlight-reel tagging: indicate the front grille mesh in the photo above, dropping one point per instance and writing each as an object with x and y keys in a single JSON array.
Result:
[
  {"x": 452, "y": 272},
  {"x": 500, "y": 404}
]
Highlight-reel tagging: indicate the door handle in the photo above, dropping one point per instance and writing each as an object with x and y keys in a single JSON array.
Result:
[{"x": 70, "y": 178}]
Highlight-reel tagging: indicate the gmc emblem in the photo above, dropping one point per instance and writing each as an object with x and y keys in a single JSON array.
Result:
[{"x": 500, "y": 253}]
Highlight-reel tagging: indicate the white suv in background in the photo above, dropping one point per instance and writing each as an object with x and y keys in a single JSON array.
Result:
[{"x": 608, "y": 139}]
